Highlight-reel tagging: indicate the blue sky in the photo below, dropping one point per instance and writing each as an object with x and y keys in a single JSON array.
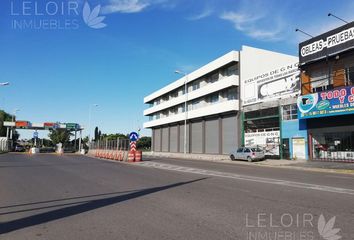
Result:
[{"x": 57, "y": 73}]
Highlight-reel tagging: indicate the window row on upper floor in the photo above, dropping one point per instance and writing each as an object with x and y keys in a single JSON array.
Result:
[
  {"x": 226, "y": 71},
  {"x": 217, "y": 97}
]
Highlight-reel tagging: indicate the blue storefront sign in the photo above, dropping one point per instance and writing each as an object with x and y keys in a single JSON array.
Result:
[{"x": 327, "y": 103}]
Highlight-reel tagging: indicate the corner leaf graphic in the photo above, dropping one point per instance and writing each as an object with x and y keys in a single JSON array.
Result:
[
  {"x": 92, "y": 18},
  {"x": 321, "y": 223},
  {"x": 329, "y": 226},
  {"x": 94, "y": 13},
  {"x": 97, "y": 20},
  {"x": 100, "y": 25},
  {"x": 86, "y": 12},
  {"x": 326, "y": 230}
]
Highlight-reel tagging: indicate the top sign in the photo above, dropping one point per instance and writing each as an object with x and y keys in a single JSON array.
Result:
[
  {"x": 133, "y": 136},
  {"x": 328, "y": 103},
  {"x": 281, "y": 82},
  {"x": 327, "y": 44}
]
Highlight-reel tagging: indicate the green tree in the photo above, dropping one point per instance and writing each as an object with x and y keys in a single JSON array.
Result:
[
  {"x": 114, "y": 136},
  {"x": 60, "y": 136},
  {"x": 144, "y": 143},
  {"x": 96, "y": 134},
  {"x": 4, "y": 116}
]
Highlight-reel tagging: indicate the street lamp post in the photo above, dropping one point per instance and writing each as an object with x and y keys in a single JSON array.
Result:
[
  {"x": 14, "y": 113},
  {"x": 13, "y": 120},
  {"x": 185, "y": 109},
  {"x": 341, "y": 19},
  {"x": 89, "y": 124},
  {"x": 2, "y": 84}
]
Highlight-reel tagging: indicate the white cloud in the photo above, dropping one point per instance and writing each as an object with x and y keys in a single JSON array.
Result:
[
  {"x": 254, "y": 25},
  {"x": 206, "y": 13},
  {"x": 262, "y": 20},
  {"x": 135, "y": 6},
  {"x": 125, "y": 6}
]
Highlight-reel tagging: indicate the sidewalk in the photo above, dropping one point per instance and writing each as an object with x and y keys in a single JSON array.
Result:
[{"x": 315, "y": 166}]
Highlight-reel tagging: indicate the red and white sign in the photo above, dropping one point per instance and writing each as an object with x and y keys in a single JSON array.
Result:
[{"x": 133, "y": 146}]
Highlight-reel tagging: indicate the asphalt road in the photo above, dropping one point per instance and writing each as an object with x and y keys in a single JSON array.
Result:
[{"x": 76, "y": 197}]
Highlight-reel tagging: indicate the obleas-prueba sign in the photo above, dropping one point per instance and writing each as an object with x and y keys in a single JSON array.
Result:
[{"x": 327, "y": 44}]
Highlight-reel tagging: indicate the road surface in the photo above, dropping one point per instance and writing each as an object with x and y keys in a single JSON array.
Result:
[{"x": 77, "y": 197}]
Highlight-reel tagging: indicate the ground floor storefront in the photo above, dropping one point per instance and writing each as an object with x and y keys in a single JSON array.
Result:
[
  {"x": 210, "y": 135},
  {"x": 274, "y": 127},
  {"x": 332, "y": 138}
]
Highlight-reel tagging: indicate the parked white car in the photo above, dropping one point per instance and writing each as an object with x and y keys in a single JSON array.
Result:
[{"x": 247, "y": 153}]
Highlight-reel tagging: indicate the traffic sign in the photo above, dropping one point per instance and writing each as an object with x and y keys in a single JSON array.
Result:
[
  {"x": 133, "y": 146},
  {"x": 133, "y": 136},
  {"x": 72, "y": 126},
  {"x": 35, "y": 134}
]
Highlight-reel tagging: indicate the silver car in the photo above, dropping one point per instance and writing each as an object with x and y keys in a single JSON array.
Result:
[{"x": 247, "y": 153}]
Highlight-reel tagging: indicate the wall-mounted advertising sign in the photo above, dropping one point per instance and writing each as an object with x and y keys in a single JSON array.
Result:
[
  {"x": 277, "y": 83},
  {"x": 327, "y": 44},
  {"x": 268, "y": 141},
  {"x": 328, "y": 103}
]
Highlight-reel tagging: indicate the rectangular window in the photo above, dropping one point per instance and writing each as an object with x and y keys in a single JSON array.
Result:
[
  {"x": 173, "y": 111},
  {"x": 165, "y": 98},
  {"x": 290, "y": 112},
  {"x": 174, "y": 95},
  {"x": 350, "y": 75},
  {"x": 319, "y": 80},
  {"x": 231, "y": 70},
  {"x": 213, "y": 78},
  {"x": 214, "y": 98},
  {"x": 232, "y": 94},
  {"x": 182, "y": 108},
  {"x": 195, "y": 85}
]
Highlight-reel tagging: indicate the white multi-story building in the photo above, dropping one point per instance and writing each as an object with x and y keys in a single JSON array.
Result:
[
  {"x": 212, "y": 103},
  {"x": 213, "y": 116}
]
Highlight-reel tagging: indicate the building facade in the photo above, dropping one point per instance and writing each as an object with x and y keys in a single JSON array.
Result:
[
  {"x": 242, "y": 98},
  {"x": 212, "y": 118},
  {"x": 326, "y": 104},
  {"x": 270, "y": 85}
]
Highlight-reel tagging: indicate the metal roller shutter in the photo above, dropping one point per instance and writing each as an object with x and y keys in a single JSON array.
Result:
[
  {"x": 212, "y": 136},
  {"x": 197, "y": 139},
  {"x": 181, "y": 138},
  {"x": 165, "y": 139},
  {"x": 173, "y": 139},
  {"x": 230, "y": 133},
  {"x": 157, "y": 140}
]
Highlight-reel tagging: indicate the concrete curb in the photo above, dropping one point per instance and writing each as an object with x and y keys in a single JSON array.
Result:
[
  {"x": 311, "y": 169},
  {"x": 281, "y": 166},
  {"x": 337, "y": 171}
]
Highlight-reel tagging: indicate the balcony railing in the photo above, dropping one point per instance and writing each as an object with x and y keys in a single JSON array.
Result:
[{"x": 326, "y": 83}]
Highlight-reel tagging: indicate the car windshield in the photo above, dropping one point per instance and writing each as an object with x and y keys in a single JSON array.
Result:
[{"x": 256, "y": 150}]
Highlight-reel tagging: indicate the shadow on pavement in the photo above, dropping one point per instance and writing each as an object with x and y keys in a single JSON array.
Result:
[
  {"x": 65, "y": 199},
  {"x": 37, "y": 219},
  {"x": 51, "y": 165}
]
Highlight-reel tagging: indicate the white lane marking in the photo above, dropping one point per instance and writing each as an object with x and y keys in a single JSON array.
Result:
[
  {"x": 171, "y": 167},
  {"x": 331, "y": 176}
]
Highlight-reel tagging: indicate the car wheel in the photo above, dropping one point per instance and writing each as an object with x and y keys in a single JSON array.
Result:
[
  {"x": 249, "y": 159},
  {"x": 232, "y": 157}
]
